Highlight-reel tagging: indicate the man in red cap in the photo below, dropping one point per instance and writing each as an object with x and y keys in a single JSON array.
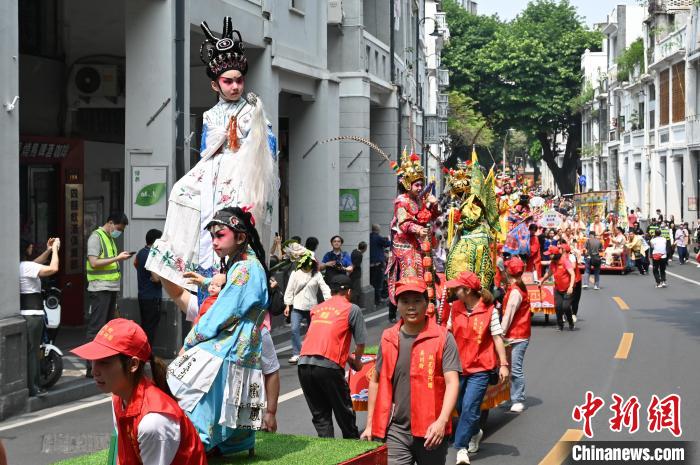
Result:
[
  {"x": 516, "y": 329},
  {"x": 151, "y": 427},
  {"x": 413, "y": 389},
  {"x": 564, "y": 281}
]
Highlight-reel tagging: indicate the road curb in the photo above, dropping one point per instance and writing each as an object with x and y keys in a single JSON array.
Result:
[{"x": 67, "y": 392}]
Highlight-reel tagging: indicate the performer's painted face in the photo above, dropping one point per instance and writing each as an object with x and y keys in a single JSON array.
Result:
[
  {"x": 508, "y": 188},
  {"x": 229, "y": 85},
  {"x": 412, "y": 307},
  {"x": 416, "y": 187},
  {"x": 224, "y": 241}
]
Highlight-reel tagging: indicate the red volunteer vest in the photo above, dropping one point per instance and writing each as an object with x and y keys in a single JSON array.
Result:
[
  {"x": 520, "y": 324},
  {"x": 148, "y": 398},
  {"x": 562, "y": 279},
  {"x": 329, "y": 332},
  {"x": 427, "y": 380},
  {"x": 477, "y": 350}
]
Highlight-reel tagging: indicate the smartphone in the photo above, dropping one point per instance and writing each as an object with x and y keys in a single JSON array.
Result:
[{"x": 133, "y": 253}]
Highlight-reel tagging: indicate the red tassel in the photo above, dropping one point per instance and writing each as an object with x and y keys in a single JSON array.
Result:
[{"x": 233, "y": 142}]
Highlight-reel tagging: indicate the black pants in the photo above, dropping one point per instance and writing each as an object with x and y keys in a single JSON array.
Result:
[
  {"x": 576, "y": 298},
  {"x": 392, "y": 311},
  {"x": 150, "y": 317},
  {"x": 562, "y": 305},
  {"x": 35, "y": 329},
  {"x": 659, "y": 270},
  {"x": 327, "y": 392},
  {"x": 376, "y": 279},
  {"x": 102, "y": 308}
]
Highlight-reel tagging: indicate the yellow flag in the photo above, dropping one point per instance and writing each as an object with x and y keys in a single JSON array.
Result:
[{"x": 475, "y": 158}]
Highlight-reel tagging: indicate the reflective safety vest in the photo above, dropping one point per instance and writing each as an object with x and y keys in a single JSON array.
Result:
[
  {"x": 109, "y": 250},
  {"x": 329, "y": 333}
]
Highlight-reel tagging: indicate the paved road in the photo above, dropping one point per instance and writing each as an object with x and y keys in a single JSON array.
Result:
[{"x": 560, "y": 368}]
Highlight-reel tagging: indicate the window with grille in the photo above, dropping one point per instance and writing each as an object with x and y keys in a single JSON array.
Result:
[
  {"x": 678, "y": 92},
  {"x": 663, "y": 97}
]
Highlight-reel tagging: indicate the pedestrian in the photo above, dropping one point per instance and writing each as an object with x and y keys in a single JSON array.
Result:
[
  {"x": 377, "y": 261},
  {"x": 150, "y": 290},
  {"x": 631, "y": 219},
  {"x": 413, "y": 389},
  {"x": 311, "y": 243},
  {"x": 336, "y": 261},
  {"x": 592, "y": 250},
  {"x": 151, "y": 427},
  {"x": 300, "y": 295},
  {"x": 326, "y": 351},
  {"x": 31, "y": 303},
  {"x": 635, "y": 246},
  {"x": 534, "y": 260},
  {"x": 564, "y": 281},
  {"x": 516, "y": 325},
  {"x": 356, "y": 273},
  {"x": 658, "y": 258},
  {"x": 573, "y": 256},
  {"x": 681, "y": 239},
  {"x": 474, "y": 318},
  {"x": 439, "y": 254},
  {"x": 104, "y": 274},
  {"x": 666, "y": 234}
]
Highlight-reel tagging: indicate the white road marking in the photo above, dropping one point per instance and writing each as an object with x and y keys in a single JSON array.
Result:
[
  {"x": 683, "y": 278},
  {"x": 75, "y": 408}
]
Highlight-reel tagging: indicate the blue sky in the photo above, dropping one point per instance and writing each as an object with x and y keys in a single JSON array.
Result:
[{"x": 594, "y": 11}]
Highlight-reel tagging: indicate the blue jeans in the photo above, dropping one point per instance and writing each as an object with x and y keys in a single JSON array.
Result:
[
  {"x": 517, "y": 377},
  {"x": 472, "y": 389},
  {"x": 587, "y": 273},
  {"x": 296, "y": 317}
]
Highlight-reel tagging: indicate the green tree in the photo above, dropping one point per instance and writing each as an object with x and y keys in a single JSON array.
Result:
[
  {"x": 525, "y": 75},
  {"x": 466, "y": 125}
]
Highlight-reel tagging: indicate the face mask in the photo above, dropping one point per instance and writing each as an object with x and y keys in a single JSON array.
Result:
[{"x": 115, "y": 234}]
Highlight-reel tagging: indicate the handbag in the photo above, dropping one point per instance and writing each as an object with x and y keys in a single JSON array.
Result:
[
  {"x": 657, "y": 256},
  {"x": 493, "y": 377}
]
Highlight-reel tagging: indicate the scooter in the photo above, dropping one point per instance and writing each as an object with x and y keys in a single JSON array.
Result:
[{"x": 51, "y": 361}]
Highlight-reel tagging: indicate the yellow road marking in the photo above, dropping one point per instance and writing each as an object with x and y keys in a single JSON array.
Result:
[
  {"x": 623, "y": 349},
  {"x": 562, "y": 448},
  {"x": 621, "y": 303}
]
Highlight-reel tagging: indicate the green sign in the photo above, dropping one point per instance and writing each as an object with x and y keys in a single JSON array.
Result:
[{"x": 349, "y": 205}]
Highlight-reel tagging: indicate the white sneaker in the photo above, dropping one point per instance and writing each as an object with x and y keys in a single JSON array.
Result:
[
  {"x": 517, "y": 407},
  {"x": 462, "y": 457},
  {"x": 596, "y": 288},
  {"x": 574, "y": 318},
  {"x": 474, "y": 442},
  {"x": 658, "y": 286},
  {"x": 293, "y": 359},
  {"x": 663, "y": 284},
  {"x": 585, "y": 286}
]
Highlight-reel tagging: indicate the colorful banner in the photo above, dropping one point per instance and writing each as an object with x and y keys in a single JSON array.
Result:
[
  {"x": 590, "y": 204},
  {"x": 621, "y": 206},
  {"x": 550, "y": 219},
  {"x": 541, "y": 299}
]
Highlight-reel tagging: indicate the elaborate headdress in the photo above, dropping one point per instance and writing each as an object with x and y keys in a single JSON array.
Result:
[
  {"x": 221, "y": 55},
  {"x": 458, "y": 179},
  {"x": 410, "y": 170}
]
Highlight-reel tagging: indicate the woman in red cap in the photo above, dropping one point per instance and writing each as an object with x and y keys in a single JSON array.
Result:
[
  {"x": 413, "y": 389},
  {"x": 564, "y": 282},
  {"x": 516, "y": 329},
  {"x": 152, "y": 428},
  {"x": 477, "y": 329}
]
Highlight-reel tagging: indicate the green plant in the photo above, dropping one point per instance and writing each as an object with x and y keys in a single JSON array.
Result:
[
  {"x": 584, "y": 98},
  {"x": 632, "y": 57}
]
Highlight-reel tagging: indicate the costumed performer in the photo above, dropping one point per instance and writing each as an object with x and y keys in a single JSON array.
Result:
[
  {"x": 218, "y": 379},
  {"x": 237, "y": 168},
  {"x": 507, "y": 199},
  {"x": 413, "y": 213},
  {"x": 518, "y": 238}
]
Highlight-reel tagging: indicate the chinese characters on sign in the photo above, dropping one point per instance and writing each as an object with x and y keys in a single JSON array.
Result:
[
  {"x": 662, "y": 414},
  {"x": 74, "y": 228}
]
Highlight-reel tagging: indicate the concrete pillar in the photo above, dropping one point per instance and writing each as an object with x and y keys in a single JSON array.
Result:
[
  {"x": 150, "y": 93},
  {"x": 13, "y": 342},
  {"x": 383, "y": 127},
  {"x": 673, "y": 187},
  {"x": 314, "y": 175}
]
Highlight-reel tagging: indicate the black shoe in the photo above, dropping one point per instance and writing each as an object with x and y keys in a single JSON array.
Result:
[
  {"x": 572, "y": 327},
  {"x": 560, "y": 328},
  {"x": 392, "y": 320}
]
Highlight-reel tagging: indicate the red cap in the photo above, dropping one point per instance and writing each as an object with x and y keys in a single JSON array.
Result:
[
  {"x": 515, "y": 266},
  {"x": 465, "y": 279},
  {"x": 119, "y": 336},
  {"x": 410, "y": 284},
  {"x": 553, "y": 250}
]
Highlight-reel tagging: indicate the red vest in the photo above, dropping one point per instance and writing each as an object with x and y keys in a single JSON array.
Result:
[
  {"x": 148, "y": 398},
  {"x": 577, "y": 271},
  {"x": 520, "y": 324},
  {"x": 329, "y": 332},
  {"x": 477, "y": 350},
  {"x": 427, "y": 380}
]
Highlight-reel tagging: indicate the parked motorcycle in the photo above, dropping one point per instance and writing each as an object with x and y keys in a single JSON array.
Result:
[{"x": 51, "y": 361}]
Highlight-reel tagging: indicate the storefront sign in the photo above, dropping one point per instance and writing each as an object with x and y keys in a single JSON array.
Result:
[
  {"x": 349, "y": 205},
  {"x": 74, "y": 229},
  {"x": 43, "y": 150},
  {"x": 149, "y": 185}
]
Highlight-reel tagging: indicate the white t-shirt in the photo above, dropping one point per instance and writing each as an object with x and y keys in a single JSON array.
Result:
[
  {"x": 29, "y": 282},
  {"x": 658, "y": 246}
]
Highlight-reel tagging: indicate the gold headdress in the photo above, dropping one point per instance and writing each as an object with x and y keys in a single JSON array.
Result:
[
  {"x": 410, "y": 170},
  {"x": 458, "y": 180}
]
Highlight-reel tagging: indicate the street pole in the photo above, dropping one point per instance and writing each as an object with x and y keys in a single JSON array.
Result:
[{"x": 505, "y": 145}]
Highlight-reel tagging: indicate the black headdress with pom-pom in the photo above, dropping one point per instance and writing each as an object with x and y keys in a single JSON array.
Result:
[{"x": 224, "y": 54}]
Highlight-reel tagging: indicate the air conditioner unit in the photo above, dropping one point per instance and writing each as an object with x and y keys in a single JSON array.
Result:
[
  {"x": 335, "y": 11},
  {"x": 94, "y": 81}
]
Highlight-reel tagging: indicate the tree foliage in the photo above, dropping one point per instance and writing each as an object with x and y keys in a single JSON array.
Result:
[
  {"x": 465, "y": 124},
  {"x": 524, "y": 74},
  {"x": 631, "y": 57}
]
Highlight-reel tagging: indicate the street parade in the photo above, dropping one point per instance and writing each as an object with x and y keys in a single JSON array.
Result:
[{"x": 268, "y": 320}]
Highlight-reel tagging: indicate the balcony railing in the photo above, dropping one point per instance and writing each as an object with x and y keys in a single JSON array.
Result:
[
  {"x": 443, "y": 78},
  {"x": 442, "y": 128},
  {"x": 675, "y": 42},
  {"x": 377, "y": 57},
  {"x": 431, "y": 129},
  {"x": 443, "y": 105}
]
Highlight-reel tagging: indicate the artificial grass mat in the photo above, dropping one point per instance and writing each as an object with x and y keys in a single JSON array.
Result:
[{"x": 273, "y": 449}]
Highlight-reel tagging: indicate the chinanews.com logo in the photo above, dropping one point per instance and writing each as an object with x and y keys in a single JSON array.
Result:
[{"x": 661, "y": 415}]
